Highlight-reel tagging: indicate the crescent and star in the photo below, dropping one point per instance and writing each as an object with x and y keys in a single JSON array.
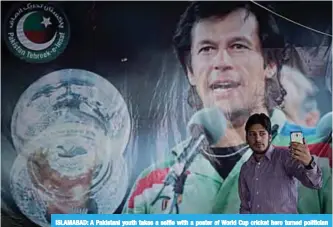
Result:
[{"x": 25, "y": 41}]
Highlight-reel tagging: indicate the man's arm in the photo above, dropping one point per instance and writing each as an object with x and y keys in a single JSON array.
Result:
[
  {"x": 310, "y": 177},
  {"x": 324, "y": 153},
  {"x": 244, "y": 193},
  {"x": 149, "y": 183},
  {"x": 146, "y": 188},
  {"x": 136, "y": 202},
  {"x": 132, "y": 207}
]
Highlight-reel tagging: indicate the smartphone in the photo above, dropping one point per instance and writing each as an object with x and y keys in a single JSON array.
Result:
[{"x": 296, "y": 137}]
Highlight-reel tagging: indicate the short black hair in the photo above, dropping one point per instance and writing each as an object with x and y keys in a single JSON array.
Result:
[
  {"x": 268, "y": 31},
  {"x": 261, "y": 119}
]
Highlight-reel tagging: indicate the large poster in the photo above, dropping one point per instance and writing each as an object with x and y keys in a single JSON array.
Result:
[{"x": 97, "y": 99}]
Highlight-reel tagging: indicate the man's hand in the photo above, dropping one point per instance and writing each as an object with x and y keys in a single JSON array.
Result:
[{"x": 301, "y": 152}]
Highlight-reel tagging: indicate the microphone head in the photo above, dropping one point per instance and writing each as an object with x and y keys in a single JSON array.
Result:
[
  {"x": 324, "y": 126},
  {"x": 212, "y": 121}
]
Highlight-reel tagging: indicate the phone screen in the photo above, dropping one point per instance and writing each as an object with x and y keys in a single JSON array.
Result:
[{"x": 296, "y": 137}]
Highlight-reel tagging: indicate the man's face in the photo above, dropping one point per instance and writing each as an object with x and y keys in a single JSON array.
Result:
[
  {"x": 258, "y": 138},
  {"x": 227, "y": 62}
]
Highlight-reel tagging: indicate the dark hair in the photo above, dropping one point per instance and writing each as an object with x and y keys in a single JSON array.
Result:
[
  {"x": 261, "y": 119},
  {"x": 269, "y": 35}
]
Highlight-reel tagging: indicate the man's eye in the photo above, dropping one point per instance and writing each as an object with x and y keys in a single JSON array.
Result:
[
  {"x": 239, "y": 46},
  {"x": 206, "y": 49}
]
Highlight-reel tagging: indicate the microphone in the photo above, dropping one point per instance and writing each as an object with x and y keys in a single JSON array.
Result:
[
  {"x": 213, "y": 122},
  {"x": 324, "y": 127},
  {"x": 275, "y": 130},
  {"x": 205, "y": 127}
]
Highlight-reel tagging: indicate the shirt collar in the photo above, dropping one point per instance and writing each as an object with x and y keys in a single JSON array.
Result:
[{"x": 269, "y": 152}]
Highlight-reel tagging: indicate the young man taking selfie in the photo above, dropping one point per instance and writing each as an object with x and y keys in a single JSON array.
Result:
[{"x": 267, "y": 181}]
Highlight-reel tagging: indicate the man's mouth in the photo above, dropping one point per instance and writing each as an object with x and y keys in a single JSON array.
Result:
[
  {"x": 224, "y": 86},
  {"x": 259, "y": 145}
]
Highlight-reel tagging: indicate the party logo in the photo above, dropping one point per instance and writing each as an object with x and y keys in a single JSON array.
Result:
[{"x": 37, "y": 32}]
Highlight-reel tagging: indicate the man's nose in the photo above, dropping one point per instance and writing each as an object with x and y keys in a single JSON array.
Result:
[{"x": 222, "y": 60}]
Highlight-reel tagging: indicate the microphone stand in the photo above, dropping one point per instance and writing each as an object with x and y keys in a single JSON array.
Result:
[{"x": 177, "y": 175}]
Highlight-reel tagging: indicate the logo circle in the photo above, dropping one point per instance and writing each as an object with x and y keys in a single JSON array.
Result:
[{"x": 37, "y": 32}]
